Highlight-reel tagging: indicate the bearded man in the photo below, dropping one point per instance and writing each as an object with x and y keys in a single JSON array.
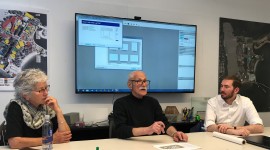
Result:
[{"x": 229, "y": 112}]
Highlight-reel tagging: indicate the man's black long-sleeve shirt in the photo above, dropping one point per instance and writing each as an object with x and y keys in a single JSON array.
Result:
[{"x": 131, "y": 112}]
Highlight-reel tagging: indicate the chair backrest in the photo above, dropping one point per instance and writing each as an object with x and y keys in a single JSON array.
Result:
[
  {"x": 111, "y": 126},
  {"x": 3, "y": 141}
]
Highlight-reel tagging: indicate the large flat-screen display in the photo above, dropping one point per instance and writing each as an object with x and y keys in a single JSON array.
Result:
[{"x": 107, "y": 49}]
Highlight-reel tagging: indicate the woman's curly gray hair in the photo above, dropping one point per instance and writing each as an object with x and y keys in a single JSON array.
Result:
[{"x": 25, "y": 82}]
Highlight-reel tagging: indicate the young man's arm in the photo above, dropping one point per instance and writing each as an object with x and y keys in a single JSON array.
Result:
[
  {"x": 210, "y": 118},
  {"x": 253, "y": 128}
]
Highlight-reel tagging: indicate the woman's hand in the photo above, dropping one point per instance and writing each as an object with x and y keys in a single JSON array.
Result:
[
  {"x": 52, "y": 103},
  {"x": 61, "y": 137}
]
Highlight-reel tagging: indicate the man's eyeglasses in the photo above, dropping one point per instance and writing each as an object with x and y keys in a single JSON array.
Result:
[
  {"x": 140, "y": 82},
  {"x": 47, "y": 88}
]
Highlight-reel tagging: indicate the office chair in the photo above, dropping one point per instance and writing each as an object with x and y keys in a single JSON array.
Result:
[
  {"x": 3, "y": 141},
  {"x": 111, "y": 126}
]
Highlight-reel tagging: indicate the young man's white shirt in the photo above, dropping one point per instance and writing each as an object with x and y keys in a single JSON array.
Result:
[{"x": 241, "y": 110}]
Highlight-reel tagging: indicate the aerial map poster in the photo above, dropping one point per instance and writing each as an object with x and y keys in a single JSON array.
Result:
[
  {"x": 23, "y": 44},
  {"x": 244, "y": 51}
]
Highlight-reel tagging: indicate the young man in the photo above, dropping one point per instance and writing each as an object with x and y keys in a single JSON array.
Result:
[
  {"x": 137, "y": 114},
  {"x": 227, "y": 112}
]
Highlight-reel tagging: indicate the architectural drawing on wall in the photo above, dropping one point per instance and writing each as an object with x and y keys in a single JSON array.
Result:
[
  {"x": 244, "y": 51},
  {"x": 23, "y": 44}
]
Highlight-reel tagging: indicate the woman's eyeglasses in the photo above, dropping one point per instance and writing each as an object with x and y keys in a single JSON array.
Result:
[{"x": 47, "y": 88}]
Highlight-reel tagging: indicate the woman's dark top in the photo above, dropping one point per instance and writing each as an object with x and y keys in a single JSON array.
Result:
[{"x": 16, "y": 127}]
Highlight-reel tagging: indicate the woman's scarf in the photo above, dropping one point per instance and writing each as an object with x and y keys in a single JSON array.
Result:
[{"x": 33, "y": 118}]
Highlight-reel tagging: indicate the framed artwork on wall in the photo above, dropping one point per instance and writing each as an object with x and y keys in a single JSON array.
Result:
[
  {"x": 244, "y": 51},
  {"x": 23, "y": 44}
]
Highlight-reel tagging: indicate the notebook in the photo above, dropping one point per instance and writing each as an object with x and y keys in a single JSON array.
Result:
[{"x": 259, "y": 140}]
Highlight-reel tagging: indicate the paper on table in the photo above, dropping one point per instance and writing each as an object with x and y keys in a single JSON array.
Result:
[
  {"x": 176, "y": 146},
  {"x": 229, "y": 138}
]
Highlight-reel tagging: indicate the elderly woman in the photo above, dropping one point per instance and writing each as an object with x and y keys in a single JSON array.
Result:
[{"x": 25, "y": 114}]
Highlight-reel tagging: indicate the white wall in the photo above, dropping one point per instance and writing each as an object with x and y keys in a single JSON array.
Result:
[{"x": 205, "y": 14}]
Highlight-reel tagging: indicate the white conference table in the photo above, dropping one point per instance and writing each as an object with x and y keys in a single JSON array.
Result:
[{"x": 205, "y": 140}]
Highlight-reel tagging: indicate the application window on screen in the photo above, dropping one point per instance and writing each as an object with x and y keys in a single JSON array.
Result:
[
  {"x": 100, "y": 33},
  {"x": 128, "y": 57}
]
